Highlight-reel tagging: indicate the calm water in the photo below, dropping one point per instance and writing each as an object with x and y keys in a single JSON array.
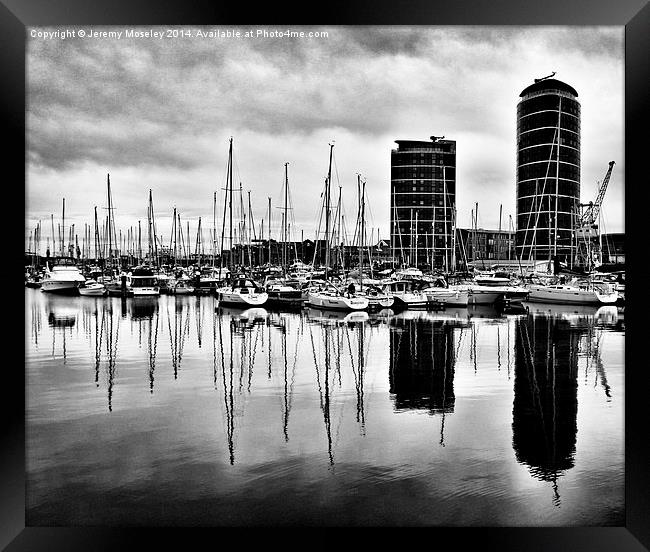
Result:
[{"x": 166, "y": 411}]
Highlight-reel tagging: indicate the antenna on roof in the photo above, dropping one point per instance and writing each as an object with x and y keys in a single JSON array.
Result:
[
  {"x": 546, "y": 77},
  {"x": 436, "y": 138}
]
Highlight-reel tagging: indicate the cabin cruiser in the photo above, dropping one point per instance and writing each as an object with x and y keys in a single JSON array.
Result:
[
  {"x": 406, "y": 294},
  {"x": 282, "y": 292},
  {"x": 180, "y": 286},
  {"x": 243, "y": 292},
  {"x": 208, "y": 279},
  {"x": 502, "y": 282},
  {"x": 142, "y": 281},
  {"x": 64, "y": 277}
]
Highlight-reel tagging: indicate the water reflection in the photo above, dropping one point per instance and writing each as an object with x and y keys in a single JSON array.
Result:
[
  {"x": 180, "y": 318},
  {"x": 334, "y": 385},
  {"x": 548, "y": 345}
]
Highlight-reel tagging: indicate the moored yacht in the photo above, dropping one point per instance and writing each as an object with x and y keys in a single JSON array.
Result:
[
  {"x": 243, "y": 292},
  {"x": 331, "y": 298},
  {"x": 64, "y": 277},
  {"x": 142, "y": 281},
  {"x": 92, "y": 288},
  {"x": 406, "y": 294},
  {"x": 573, "y": 294},
  {"x": 282, "y": 292}
]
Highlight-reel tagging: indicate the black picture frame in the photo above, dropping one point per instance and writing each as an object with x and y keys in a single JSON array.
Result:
[{"x": 16, "y": 15}]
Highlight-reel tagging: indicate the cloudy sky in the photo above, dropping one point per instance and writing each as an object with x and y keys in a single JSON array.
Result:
[{"x": 158, "y": 113}]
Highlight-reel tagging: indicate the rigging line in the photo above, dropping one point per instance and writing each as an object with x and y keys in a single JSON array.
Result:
[{"x": 556, "y": 142}]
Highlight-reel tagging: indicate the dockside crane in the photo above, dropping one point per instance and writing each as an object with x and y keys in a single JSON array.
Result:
[{"x": 587, "y": 233}]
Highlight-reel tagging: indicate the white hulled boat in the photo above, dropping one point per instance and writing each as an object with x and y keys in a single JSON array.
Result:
[
  {"x": 332, "y": 299},
  {"x": 242, "y": 293},
  {"x": 477, "y": 294},
  {"x": 377, "y": 298},
  {"x": 93, "y": 289},
  {"x": 502, "y": 282},
  {"x": 446, "y": 296},
  {"x": 142, "y": 281},
  {"x": 573, "y": 294},
  {"x": 405, "y": 294},
  {"x": 64, "y": 277}
]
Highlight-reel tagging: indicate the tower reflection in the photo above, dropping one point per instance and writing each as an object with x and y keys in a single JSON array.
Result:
[
  {"x": 422, "y": 364},
  {"x": 544, "y": 414}
]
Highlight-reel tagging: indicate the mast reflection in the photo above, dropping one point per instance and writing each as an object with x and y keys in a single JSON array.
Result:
[{"x": 179, "y": 332}]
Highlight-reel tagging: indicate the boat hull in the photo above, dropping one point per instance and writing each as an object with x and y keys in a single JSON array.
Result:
[
  {"x": 569, "y": 296},
  {"x": 448, "y": 297},
  {"x": 336, "y": 302},
  {"x": 291, "y": 298},
  {"x": 411, "y": 300},
  {"x": 144, "y": 291},
  {"x": 92, "y": 292},
  {"x": 237, "y": 299},
  {"x": 60, "y": 287}
]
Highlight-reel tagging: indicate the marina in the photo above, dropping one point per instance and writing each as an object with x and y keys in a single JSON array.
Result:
[
  {"x": 303, "y": 284},
  {"x": 172, "y": 410}
]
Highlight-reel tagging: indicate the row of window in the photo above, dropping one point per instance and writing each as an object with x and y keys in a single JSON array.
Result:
[
  {"x": 428, "y": 172},
  {"x": 411, "y": 159},
  {"x": 541, "y": 103},
  {"x": 548, "y": 136},
  {"x": 546, "y": 203},
  {"x": 544, "y": 221},
  {"x": 548, "y": 153},
  {"x": 536, "y": 187},
  {"x": 422, "y": 227},
  {"x": 548, "y": 119},
  {"x": 424, "y": 186},
  {"x": 541, "y": 171}
]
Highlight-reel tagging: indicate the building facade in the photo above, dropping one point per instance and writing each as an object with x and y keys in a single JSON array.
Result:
[
  {"x": 423, "y": 202},
  {"x": 548, "y": 170},
  {"x": 481, "y": 248}
]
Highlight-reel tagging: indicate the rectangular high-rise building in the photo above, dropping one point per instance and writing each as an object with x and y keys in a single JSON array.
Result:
[{"x": 423, "y": 203}]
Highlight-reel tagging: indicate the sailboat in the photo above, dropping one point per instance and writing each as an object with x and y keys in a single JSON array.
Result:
[
  {"x": 242, "y": 291},
  {"x": 377, "y": 298},
  {"x": 280, "y": 291},
  {"x": 573, "y": 293},
  {"x": 329, "y": 296}
]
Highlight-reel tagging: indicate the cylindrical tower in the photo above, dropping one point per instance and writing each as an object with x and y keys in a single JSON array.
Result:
[{"x": 548, "y": 171}]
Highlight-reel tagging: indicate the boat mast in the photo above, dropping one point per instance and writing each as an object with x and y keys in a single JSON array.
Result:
[
  {"x": 63, "y": 231},
  {"x": 327, "y": 212},
  {"x": 230, "y": 267},
  {"x": 445, "y": 217},
  {"x": 286, "y": 196},
  {"x": 214, "y": 227},
  {"x": 269, "y": 232},
  {"x": 363, "y": 233},
  {"x": 360, "y": 225},
  {"x": 416, "y": 239}
]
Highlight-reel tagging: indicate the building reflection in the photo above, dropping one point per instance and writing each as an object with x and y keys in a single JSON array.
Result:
[
  {"x": 422, "y": 364},
  {"x": 544, "y": 415}
]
